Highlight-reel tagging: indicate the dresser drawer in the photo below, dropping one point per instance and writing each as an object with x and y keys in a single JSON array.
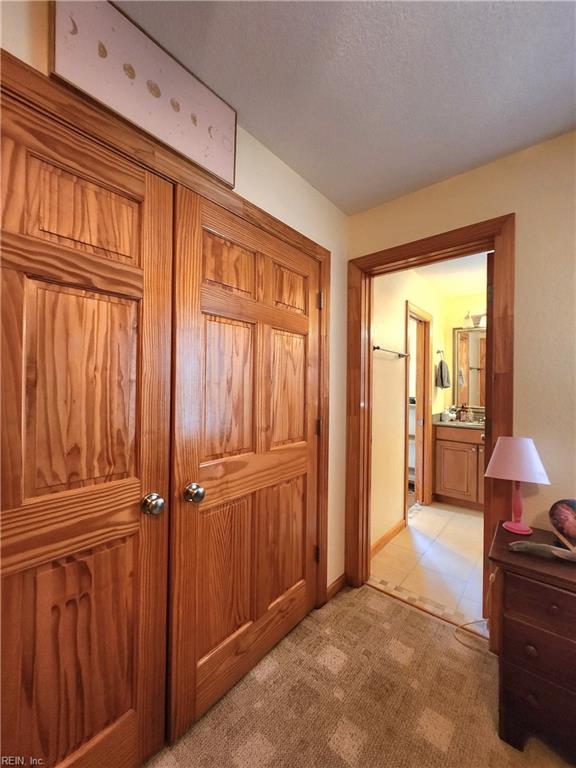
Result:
[
  {"x": 549, "y": 607},
  {"x": 541, "y": 652},
  {"x": 537, "y": 705}
]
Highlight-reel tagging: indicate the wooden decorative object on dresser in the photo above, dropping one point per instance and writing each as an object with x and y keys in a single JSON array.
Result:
[{"x": 537, "y": 645}]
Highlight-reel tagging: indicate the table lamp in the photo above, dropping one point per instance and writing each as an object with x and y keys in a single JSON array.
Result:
[{"x": 516, "y": 459}]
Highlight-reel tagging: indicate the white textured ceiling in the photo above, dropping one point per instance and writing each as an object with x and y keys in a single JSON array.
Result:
[{"x": 369, "y": 101}]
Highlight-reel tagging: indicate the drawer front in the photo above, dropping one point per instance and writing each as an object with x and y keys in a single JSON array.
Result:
[
  {"x": 541, "y": 652},
  {"x": 549, "y": 607},
  {"x": 541, "y": 706},
  {"x": 460, "y": 434}
]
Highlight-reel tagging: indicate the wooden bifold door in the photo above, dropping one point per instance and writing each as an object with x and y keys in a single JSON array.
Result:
[
  {"x": 130, "y": 393},
  {"x": 246, "y": 406},
  {"x": 86, "y": 325}
]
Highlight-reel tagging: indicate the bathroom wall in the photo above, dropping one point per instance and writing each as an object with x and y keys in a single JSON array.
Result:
[
  {"x": 538, "y": 184},
  {"x": 388, "y": 388},
  {"x": 265, "y": 180}
]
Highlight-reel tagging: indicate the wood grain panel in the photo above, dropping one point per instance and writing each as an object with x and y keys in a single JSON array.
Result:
[
  {"x": 288, "y": 400},
  {"x": 224, "y": 572},
  {"x": 11, "y": 386},
  {"x": 50, "y": 527},
  {"x": 228, "y": 388},
  {"x": 240, "y": 474},
  {"x": 69, "y": 626},
  {"x": 289, "y": 289},
  {"x": 61, "y": 264},
  {"x": 80, "y": 398},
  {"x": 230, "y": 226},
  {"x": 27, "y": 133},
  {"x": 228, "y": 264},
  {"x": 71, "y": 210},
  {"x": 218, "y": 302},
  {"x": 280, "y": 532},
  {"x": 219, "y": 670},
  {"x": 456, "y": 470}
]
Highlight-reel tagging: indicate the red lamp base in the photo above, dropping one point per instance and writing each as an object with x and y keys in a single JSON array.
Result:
[
  {"x": 519, "y": 528},
  {"x": 516, "y": 525}
]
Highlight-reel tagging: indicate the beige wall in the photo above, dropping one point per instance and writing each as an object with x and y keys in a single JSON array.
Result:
[
  {"x": 265, "y": 180},
  {"x": 539, "y": 185}
]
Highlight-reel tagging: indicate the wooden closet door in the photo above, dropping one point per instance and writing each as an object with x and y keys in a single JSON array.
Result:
[
  {"x": 86, "y": 301},
  {"x": 246, "y": 403}
]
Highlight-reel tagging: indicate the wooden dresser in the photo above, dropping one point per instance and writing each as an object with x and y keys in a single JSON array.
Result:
[{"x": 537, "y": 645}]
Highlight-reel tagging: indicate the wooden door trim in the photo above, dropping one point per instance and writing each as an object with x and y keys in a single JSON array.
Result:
[
  {"x": 495, "y": 235},
  {"x": 66, "y": 106},
  {"x": 426, "y": 318}
]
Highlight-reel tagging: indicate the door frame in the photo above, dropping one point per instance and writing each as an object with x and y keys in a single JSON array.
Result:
[
  {"x": 78, "y": 111},
  {"x": 425, "y": 318},
  {"x": 496, "y": 236}
]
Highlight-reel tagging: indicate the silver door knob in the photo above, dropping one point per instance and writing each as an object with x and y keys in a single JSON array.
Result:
[
  {"x": 194, "y": 493},
  {"x": 153, "y": 504}
]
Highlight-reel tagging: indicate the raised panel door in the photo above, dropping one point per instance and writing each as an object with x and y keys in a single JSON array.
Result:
[
  {"x": 246, "y": 404},
  {"x": 86, "y": 292},
  {"x": 456, "y": 470}
]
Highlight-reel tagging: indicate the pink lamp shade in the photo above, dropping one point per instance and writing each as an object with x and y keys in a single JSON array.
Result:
[{"x": 516, "y": 459}]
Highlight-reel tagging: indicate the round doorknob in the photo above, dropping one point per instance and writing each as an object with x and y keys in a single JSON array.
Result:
[
  {"x": 194, "y": 493},
  {"x": 153, "y": 504}
]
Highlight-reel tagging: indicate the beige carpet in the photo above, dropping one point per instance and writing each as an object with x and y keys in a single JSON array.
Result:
[{"x": 366, "y": 681}]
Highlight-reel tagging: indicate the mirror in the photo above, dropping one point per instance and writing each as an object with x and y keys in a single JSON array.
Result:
[{"x": 469, "y": 375}]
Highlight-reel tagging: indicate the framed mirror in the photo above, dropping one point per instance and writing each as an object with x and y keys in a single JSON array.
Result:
[{"x": 469, "y": 374}]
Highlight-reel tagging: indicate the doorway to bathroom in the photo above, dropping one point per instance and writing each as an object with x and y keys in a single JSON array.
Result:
[
  {"x": 427, "y": 538},
  {"x": 458, "y": 449}
]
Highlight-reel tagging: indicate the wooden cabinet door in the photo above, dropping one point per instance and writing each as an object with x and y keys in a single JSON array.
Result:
[
  {"x": 481, "y": 470},
  {"x": 246, "y": 404},
  {"x": 456, "y": 470},
  {"x": 86, "y": 292}
]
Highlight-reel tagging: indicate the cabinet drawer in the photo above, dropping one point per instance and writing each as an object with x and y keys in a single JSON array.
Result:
[
  {"x": 541, "y": 652},
  {"x": 548, "y": 607},
  {"x": 460, "y": 434},
  {"x": 542, "y": 706}
]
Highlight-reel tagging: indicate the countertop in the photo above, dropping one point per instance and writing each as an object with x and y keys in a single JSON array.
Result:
[{"x": 459, "y": 424}]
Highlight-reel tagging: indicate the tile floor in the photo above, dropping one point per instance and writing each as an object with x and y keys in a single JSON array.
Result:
[{"x": 436, "y": 563}]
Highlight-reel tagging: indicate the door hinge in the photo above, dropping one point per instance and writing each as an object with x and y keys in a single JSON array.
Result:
[
  {"x": 317, "y": 553},
  {"x": 320, "y": 300},
  {"x": 490, "y": 293},
  {"x": 318, "y": 427}
]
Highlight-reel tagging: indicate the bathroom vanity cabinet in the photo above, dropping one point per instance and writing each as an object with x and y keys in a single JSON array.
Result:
[{"x": 459, "y": 460}]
